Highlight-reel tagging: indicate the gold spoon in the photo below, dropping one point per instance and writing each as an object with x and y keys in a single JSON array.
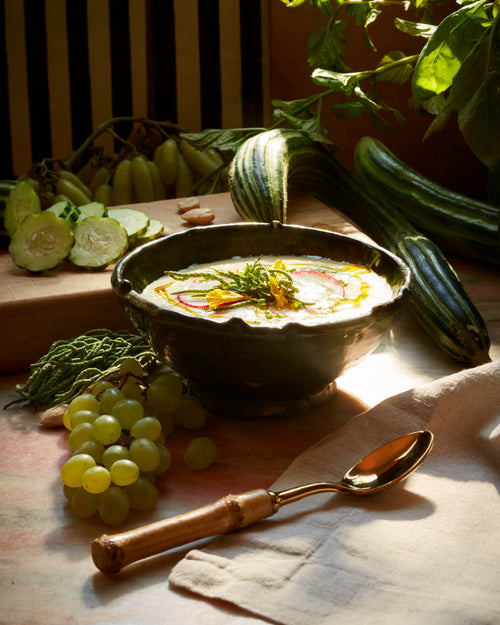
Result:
[{"x": 384, "y": 467}]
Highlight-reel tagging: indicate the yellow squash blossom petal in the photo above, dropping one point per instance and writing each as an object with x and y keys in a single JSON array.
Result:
[
  {"x": 279, "y": 297},
  {"x": 220, "y": 297}
]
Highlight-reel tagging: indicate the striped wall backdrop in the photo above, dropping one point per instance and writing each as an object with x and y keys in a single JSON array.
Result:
[{"x": 68, "y": 65}]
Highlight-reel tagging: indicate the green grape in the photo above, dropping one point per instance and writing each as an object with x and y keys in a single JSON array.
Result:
[
  {"x": 114, "y": 506},
  {"x": 101, "y": 386},
  {"x": 86, "y": 401},
  {"x": 145, "y": 454},
  {"x": 165, "y": 392},
  {"x": 84, "y": 504},
  {"x": 165, "y": 460},
  {"x": 132, "y": 390},
  {"x": 143, "y": 494},
  {"x": 74, "y": 468},
  {"x": 81, "y": 434},
  {"x": 167, "y": 421},
  {"x": 131, "y": 365},
  {"x": 69, "y": 491},
  {"x": 113, "y": 453},
  {"x": 67, "y": 420},
  {"x": 190, "y": 413},
  {"x": 96, "y": 480},
  {"x": 200, "y": 453},
  {"x": 149, "y": 475},
  {"x": 82, "y": 416},
  {"x": 109, "y": 398},
  {"x": 127, "y": 411},
  {"x": 161, "y": 439},
  {"x": 107, "y": 429},
  {"x": 92, "y": 448},
  {"x": 147, "y": 427},
  {"x": 124, "y": 472}
]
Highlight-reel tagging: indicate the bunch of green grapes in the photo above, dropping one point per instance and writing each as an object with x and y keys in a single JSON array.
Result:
[
  {"x": 117, "y": 436},
  {"x": 175, "y": 169}
]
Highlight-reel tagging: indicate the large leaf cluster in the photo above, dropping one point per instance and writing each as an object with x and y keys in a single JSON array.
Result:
[{"x": 455, "y": 75}]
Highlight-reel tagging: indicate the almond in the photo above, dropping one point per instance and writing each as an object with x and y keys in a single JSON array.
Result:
[
  {"x": 53, "y": 417},
  {"x": 199, "y": 216},
  {"x": 188, "y": 204}
]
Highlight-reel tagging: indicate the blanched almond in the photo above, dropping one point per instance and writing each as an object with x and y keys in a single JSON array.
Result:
[
  {"x": 199, "y": 216},
  {"x": 188, "y": 204}
]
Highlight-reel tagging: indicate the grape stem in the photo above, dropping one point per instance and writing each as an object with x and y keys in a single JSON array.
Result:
[{"x": 105, "y": 127}]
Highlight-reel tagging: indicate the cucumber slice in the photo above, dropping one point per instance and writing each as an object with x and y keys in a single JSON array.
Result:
[
  {"x": 6, "y": 187},
  {"x": 135, "y": 222},
  {"x": 42, "y": 242},
  {"x": 65, "y": 210},
  {"x": 23, "y": 201},
  {"x": 155, "y": 230},
  {"x": 92, "y": 209},
  {"x": 99, "y": 241}
]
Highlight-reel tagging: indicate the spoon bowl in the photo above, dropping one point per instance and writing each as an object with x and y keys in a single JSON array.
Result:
[{"x": 381, "y": 469}]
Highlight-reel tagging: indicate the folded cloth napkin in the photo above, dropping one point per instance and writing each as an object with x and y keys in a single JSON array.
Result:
[{"x": 426, "y": 551}]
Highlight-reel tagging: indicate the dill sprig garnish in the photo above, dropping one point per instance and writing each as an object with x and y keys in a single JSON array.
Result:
[{"x": 256, "y": 282}]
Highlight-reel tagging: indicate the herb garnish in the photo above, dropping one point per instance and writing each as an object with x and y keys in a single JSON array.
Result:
[{"x": 256, "y": 283}]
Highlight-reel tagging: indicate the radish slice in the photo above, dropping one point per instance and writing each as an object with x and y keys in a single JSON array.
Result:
[
  {"x": 329, "y": 281},
  {"x": 184, "y": 299}
]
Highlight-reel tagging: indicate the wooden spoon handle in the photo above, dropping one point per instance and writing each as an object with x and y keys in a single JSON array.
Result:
[{"x": 228, "y": 514}]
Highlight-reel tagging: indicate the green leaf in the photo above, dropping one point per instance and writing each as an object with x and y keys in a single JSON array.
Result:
[
  {"x": 311, "y": 125},
  {"x": 445, "y": 51},
  {"x": 364, "y": 14},
  {"x": 327, "y": 47},
  {"x": 347, "y": 110},
  {"x": 293, "y": 3},
  {"x": 343, "y": 82},
  {"x": 415, "y": 29},
  {"x": 224, "y": 140},
  {"x": 296, "y": 107},
  {"x": 397, "y": 74},
  {"x": 476, "y": 98},
  {"x": 443, "y": 110},
  {"x": 373, "y": 110}
]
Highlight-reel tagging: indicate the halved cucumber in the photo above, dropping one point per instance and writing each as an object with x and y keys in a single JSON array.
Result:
[
  {"x": 134, "y": 221},
  {"x": 99, "y": 241},
  {"x": 92, "y": 209},
  {"x": 155, "y": 229},
  {"x": 23, "y": 201},
  {"x": 65, "y": 210},
  {"x": 42, "y": 242}
]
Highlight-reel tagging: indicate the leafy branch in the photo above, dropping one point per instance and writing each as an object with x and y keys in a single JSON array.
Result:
[{"x": 456, "y": 75}]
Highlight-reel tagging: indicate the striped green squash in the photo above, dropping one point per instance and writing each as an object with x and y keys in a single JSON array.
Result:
[
  {"x": 269, "y": 164},
  {"x": 455, "y": 222}
]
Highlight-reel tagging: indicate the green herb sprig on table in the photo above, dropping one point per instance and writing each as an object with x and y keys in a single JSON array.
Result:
[
  {"x": 255, "y": 282},
  {"x": 71, "y": 366}
]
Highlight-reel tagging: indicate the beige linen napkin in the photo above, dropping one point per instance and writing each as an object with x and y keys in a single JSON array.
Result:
[{"x": 426, "y": 551}]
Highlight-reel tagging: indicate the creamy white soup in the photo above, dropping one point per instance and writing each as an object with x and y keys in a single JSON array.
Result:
[{"x": 272, "y": 290}]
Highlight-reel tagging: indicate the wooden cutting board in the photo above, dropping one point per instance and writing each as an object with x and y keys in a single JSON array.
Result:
[{"x": 37, "y": 310}]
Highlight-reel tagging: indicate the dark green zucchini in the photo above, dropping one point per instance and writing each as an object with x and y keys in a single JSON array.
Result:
[
  {"x": 457, "y": 223},
  {"x": 268, "y": 164}
]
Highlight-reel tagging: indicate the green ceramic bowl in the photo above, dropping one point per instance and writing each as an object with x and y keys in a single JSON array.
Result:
[{"x": 234, "y": 366}]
